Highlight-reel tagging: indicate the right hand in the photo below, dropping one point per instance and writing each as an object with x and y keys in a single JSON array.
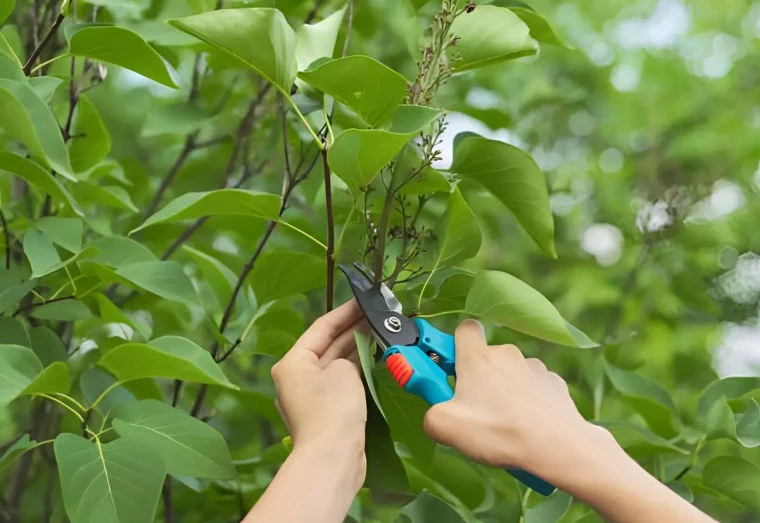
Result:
[{"x": 507, "y": 411}]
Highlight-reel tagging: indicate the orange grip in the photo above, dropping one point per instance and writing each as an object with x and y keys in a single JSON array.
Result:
[{"x": 399, "y": 368}]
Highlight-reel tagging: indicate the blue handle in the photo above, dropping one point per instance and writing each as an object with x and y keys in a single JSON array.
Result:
[{"x": 414, "y": 370}]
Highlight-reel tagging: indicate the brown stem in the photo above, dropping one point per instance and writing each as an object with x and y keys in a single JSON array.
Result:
[
  {"x": 35, "y": 305},
  {"x": 45, "y": 40},
  {"x": 17, "y": 482},
  {"x": 330, "y": 254},
  {"x": 166, "y": 492},
  {"x": 7, "y": 241},
  {"x": 73, "y": 99},
  {"x": 184, "y": 154}
]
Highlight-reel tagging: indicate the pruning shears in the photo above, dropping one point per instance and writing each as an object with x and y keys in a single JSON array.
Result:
[{"x": 419, "y": 357}]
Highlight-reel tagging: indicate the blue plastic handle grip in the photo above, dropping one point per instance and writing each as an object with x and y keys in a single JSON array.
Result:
[{"x": 429, "y": 381}]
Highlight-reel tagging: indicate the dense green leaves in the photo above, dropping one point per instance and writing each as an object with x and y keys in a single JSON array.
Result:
[
  {"x": 489, "y": 35},
  {"x": 117, "y": 482},
  {"x": 540, "y": 29},
  {"x": 14, "y": 451},
  {"x": 23, "y": 374},
  {"x": 90, "y": 141},
  {"x": 6, "y": 9},
  {"x": 224, "y": 202},
  {"x": 66, "y": 232},
  {"x": 315, "y": 41},
  {"x": 166, "y": 357},
  {"x": 549, "y": 510},
  {"x": 259, "y": 38},
  {"x": 427, "y": 508},
  {"x": 282, "y": 273},
  {"x": 362, "y": 83},
  {"x": 165, "y": 279},
  {"x": 122, "y": 47},
  {"x": 514, "y": 178},
  {"x": 358, "y": 154},
  {"x": 13, "y": 288},
  {"x": 28, "y": 119},
  {"x": 458, "y": 235},
  {"x": 39, "y": 177},
  {"x": 188, "y": 446},
  {"x": 505, "y": 300}
]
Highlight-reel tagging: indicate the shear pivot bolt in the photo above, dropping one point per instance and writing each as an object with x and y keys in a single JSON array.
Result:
[{"x": 392, "y": 324}]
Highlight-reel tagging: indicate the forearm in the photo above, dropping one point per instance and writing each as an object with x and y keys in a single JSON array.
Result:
[
  {"x": 316, "y": 484},
  {"x": 598, "y": 472}
]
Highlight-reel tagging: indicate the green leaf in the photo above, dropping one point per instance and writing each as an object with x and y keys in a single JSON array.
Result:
[
  {"x": 110, "y": 195},
  {"x": 52, "y": 379},
  {"x": 358, "y": 154},
  {"x": 40, "y": 178},
  {"x": 748, "y": 426},
  {"x": 219, "y": 277},
  {"x": 514, "y": 178},
  {"x": 66, "y": 310},
  {"x": 451, "y": 295},
  {"x": 259, "y": 38},
  {"x": 166, "y": 357},
  {"x": 385, "y": 470},
  {"x": 505, "y": 300},
  {"x": 405, "y": 414},
  {"x": 12, "y": 332},
  {"x": 549, "y": 510},
  {"x": 14, "y": 452},
  {"x": 427, "y": 179},
  {"x": 364, "y": 346},
  {"x": 281, "y": 273},
  {"x": 277, "y": 330},
  {"x": 730, "y": 388},
  {"x": 13, "y": 289},
  {"x": 118, "y": 251},
  {"x": 45, "y": 86},
  {"x": 6, "y": 8},
  {"x": 720, "y": 422},
  {"x": 490, "y": 35},
  {"x": 121, "y": 47},
  {"x": 119, "y": 482},
  {"x": 315, "y": 41},
  {"x": 736, "y": 478},
  {"x": 362, "y": 83},
  {"x": 427, "y": 508},
  {"x": 43, "y": 256},
  {"x": 110, "y": 313},
  {"x": 162, "y": 278},
  {"x": 28, "y": 119},
  {"x": 23, "y": 374},
  {"x": 188, "y": 446},
  {"x": 66, "y": 232},
  {"x": 10, "y": 68},
  {"x": 177, "y": 118},
  {"x": 90, "y": 141},
  {"x": 540, "y": 29},
  {"x": 224, "y": 202},
  {"x": 458, "y": 235},
  {"x": 648, "y": 398},
  {"x": 47, "y": 345},
  {"x": 639, "y": 441},
  {"x": 93, "y": 383}
]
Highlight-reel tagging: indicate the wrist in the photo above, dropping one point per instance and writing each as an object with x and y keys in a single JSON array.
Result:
[{"x": 341, "y": 455}]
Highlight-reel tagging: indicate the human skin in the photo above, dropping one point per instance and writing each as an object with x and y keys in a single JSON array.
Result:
[{"x": 321, "y": 398}]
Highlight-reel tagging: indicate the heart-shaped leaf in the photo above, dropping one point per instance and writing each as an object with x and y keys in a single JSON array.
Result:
[
  {"x": 188, "y": 446},
  {"x": 505, "y": 300},
  {"x": 362, "y": 83},
  {"x": 315, "y": 41},
  {"x": 489, "y": 35},
  {"x": 748, "y": 426},
  {"x": 258, "y": 38},
  {"x": 166, "y": 357},
  {"x": 514, "y": 178},
  {"x": 224, "y": 202},
  {"x": 730, "y": 388},
  {"x": 119, "y": 46},
  {"x": 66, "y": 232},
  {"x": 23, "y": 374},
  {"x": 282, "y": 273},
  {"x": 118, "y": 482},
  {"x": 734, "y": 477}
]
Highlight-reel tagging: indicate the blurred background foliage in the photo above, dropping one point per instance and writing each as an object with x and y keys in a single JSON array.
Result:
[{"x": 646, "y": 122}]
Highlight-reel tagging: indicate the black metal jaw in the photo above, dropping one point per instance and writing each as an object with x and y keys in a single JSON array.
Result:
[{"x": 389, "y": 327}]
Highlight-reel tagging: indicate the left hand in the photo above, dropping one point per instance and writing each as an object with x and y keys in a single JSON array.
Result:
[{"x": 319, "y": 388}]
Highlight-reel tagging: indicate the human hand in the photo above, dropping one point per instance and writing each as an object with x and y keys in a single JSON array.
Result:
[
  {"x": 319, "y": 389},
  {"x": 507, "y": 411}
]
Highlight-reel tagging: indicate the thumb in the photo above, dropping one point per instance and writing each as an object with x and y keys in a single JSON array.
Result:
[{"x": 441, "y": 424}]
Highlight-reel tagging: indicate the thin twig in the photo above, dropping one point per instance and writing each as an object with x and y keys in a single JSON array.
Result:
[
  {"x": 313, "y": 13},
  {"x": 7, "y": 241},
  {"x": 73, "y": 99},
  {"x": 29, "y": 307},
  {"x": 45, "y": 40},
  {"x": 166, "y": 492},
  {"x": 349, "y": 27},
  {"x": 184, "y": 154},
  {"x": 330, "y": 254}
]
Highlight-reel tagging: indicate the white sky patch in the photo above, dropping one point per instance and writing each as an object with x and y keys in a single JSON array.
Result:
[
  {"x": 480, "y": 98},
  {"x": 459, "y": 123},
  {"x": 738, "y": 353},
  {"x": 604, "y": 242},
  {"x": 726, "y": 198},
  {"x": 669, "y": 21}
]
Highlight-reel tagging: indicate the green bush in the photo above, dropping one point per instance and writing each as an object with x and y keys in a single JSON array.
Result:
[{"x": 179, "y": 179}]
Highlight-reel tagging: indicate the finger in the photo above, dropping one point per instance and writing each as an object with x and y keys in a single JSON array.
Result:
[
  {"x": 470, "y": 340},
  {"x": 345, "y": 344},
  {"x": 536, "y": 366},
  {"x": 326, "y": 329}
]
